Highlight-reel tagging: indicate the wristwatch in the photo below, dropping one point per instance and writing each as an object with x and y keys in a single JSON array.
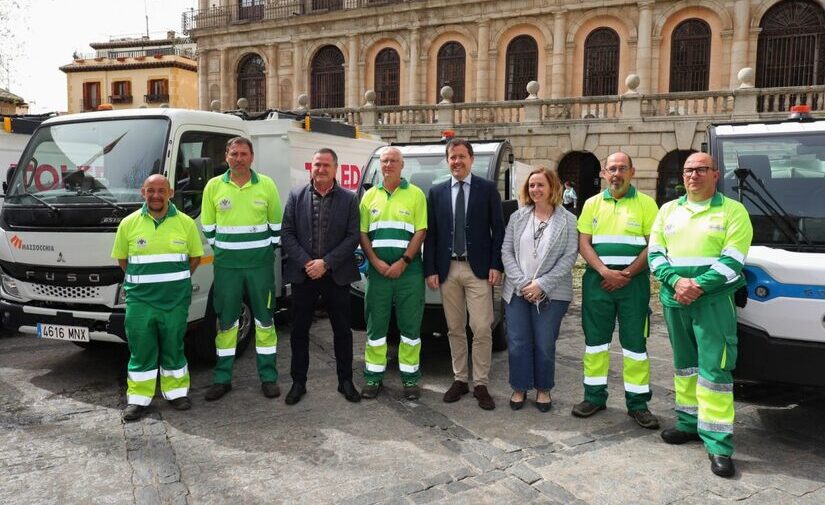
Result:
[{"x": 406, "y": 259}]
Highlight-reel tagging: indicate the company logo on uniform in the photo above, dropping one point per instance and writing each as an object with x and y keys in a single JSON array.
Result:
[
  {"x": 716, "y": 227},
  {"x": 225, "y": 204},
  {"x": 669, "y": 228},
  {"x": 259, "y": 202},
  {"x": 18, "y": 243},
  {"x": 595, "y": 222},
  {"x": 404, "y": 212},
  {"x": 141, "y": 243},
  {"x": 375, "y": 211}
]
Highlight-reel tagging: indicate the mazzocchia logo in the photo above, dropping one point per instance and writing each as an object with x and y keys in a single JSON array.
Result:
[{"x": 17, "y": 242}]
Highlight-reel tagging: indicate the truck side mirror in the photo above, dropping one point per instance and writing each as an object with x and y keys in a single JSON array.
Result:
[{"x": 197, "y": 173}]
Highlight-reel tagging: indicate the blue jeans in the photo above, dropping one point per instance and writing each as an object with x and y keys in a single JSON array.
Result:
[{"x": 531, "y": 340}]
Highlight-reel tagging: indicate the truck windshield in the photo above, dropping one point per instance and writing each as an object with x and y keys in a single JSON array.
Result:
[
  {"x": 425, "y": 171},
  {"x": 86, "y": 162},
  {"x": 792, "y": 169}
]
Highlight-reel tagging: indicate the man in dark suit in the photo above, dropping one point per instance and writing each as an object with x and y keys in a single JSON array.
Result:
[
  {"x": 319, "y": 235},
  {"x": 462, "y": 256}
]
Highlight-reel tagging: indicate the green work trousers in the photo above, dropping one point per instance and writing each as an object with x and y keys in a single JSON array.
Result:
[
  {"x": 155, "y": 337},
  {"x": 407, "y": 294},
  {"x": 600, "y": 310},
  {"x": 704, "y": 343},
  {"x": 231, "y": 286}
]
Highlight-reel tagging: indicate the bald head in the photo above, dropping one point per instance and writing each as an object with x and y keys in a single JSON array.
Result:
[
  {"x": 156, "y": 192},
  {"x": 700, "y": 176}
]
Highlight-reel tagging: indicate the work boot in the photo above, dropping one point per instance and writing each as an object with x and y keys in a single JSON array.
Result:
[
  {"x": 133, "y": 412},
  {"x": 412, "y": 392},
  {"x": 271, "y": 389},
  {"x": 586, "y": 409},
  {"x": 182, "y": 403},
  {"x": 216, "y": 391},
  {"x": 645, "y": 419},
  {"x": 673, "y": 436},
  {"x": 721, "y": 466},
  {"x": 371, "y": 390}
]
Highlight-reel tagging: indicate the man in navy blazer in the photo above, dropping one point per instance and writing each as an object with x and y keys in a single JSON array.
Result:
[
  {"x": 319, "y": 235},
  {"x": 462, "y": 256}
]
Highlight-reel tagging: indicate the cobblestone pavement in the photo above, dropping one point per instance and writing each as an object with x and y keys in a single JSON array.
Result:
[{"x": 62, "y": 441}]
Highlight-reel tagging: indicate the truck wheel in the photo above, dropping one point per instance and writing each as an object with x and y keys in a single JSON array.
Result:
[
  {"x": 500, "y": 336},
  {"x": 201, "y": 343}
]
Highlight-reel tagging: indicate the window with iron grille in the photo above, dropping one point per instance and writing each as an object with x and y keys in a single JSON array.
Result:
[
  {"x": 251, "y": 82},
  {"x": 251, "y": 9},
  {"x": 791, "y": 48},
  {"x": 327, "y": 79},
  {"x": 601, "y": 63},
  {"x": 330, "y": 5},
  {"x": 690, "y": 56},
  {"x": 450, "y": 70},
  {"x": 387, "y": 77},
  {"x": 522, "y": 66},
  {"x": 121, "y": 92}
]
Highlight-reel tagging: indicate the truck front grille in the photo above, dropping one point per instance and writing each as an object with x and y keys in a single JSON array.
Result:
[{"x": 75, "y": 292}]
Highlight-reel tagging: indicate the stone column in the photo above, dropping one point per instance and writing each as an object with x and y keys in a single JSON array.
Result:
[
  {"x": 415, "y": 38},
  {"x": 297, "y": 70},
  {"x": 226, "y": 77},
  {"x": 741, "y": 32},
  {"x": 352, "y": 88},
  {"x": 203, "y": 80},
  {"x": 272, "y": 79},
  {"x": 643, "y": 48},
  {"x": 559, "y": 43},
  {"x": 482, "y": 62}
]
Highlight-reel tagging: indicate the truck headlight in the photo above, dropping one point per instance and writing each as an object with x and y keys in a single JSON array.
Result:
[
  {"x": 10, "y": 286},
  {"x": 121, "y": 296}
]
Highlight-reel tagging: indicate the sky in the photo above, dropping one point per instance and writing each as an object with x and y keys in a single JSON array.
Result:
[{"x": 48, "y": 32}]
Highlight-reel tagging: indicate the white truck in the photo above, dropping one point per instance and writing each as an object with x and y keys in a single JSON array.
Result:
[
  {"x": 81, "y": 174},
  {"x": 425, "y": 164},
  {"x": 777, "y": 169}
]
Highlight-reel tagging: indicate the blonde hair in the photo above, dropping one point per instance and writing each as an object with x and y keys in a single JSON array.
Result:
[{"x": 556, "y": 189}]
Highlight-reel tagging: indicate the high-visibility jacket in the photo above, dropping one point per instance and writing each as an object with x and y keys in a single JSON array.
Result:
[
  {"x": 242, "y": 223},
  {"x": 391, "y": 219},
  {"x": 707, "y": 244}
]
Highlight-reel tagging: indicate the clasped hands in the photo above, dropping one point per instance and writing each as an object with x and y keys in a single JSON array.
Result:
[
  {"x": 532, "y": 292},
  {"x": 687, "y": 291},
  {"x": 315, "y": 269}
]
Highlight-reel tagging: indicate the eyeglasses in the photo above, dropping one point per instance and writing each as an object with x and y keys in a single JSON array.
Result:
[
  {"x": 687, "y": 172},
  {"x": 617, "y": 170}
]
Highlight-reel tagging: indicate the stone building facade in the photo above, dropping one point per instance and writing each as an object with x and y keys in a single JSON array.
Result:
[{"x": 334, "y": 51}]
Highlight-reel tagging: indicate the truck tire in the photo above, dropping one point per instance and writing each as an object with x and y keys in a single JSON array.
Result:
[
  {"x": 500, "y": 336},
  {"x": 200, "y": 344}
]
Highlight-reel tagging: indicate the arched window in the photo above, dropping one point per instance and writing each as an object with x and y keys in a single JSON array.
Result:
[
  {"x": 251, "y": 82},
  {"x": 791, "y": 48},
  {"x": 601, "y": 63},
  {"x": 450, "y": 70},
  {"x": 327, "y": 80},
  {"x": 690, "y": 56},
  {"x": 522, "y": 66},
  {"x": 670, "y": 184},
  {"x": 387, "y": 77}
]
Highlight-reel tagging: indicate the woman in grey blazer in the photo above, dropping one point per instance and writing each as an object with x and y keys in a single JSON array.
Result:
[{"x": 539, "y": 250}]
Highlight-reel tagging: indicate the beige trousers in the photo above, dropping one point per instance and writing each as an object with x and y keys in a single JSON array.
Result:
[{"x": 461, "y": 292}]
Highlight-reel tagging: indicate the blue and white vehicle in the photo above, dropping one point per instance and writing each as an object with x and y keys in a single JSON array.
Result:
[{"x": 777, "y": 169}]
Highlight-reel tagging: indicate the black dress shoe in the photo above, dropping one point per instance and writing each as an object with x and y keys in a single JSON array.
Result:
[
  {"x": 514, "y": 405},
  {"x": 543, "y": 406},
  {"x": 216, "y": 391},
  {"x": 721, "y": 466},
  {"x": 297, "y": 391},
  {"x": 677, "y": 437},
  {"x": 347, "y": 389},
  {"x": 133, "y": 412},
  {"x": 271, "y": 389}
]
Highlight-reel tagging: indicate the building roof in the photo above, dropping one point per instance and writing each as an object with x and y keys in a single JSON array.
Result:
[
  {"x": 130, "y": 65},
  {"x": 9, "y": 97},
  {"x": 140, "y": 42}
]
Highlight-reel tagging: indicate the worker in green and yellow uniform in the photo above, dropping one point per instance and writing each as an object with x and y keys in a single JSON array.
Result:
[
  {"x": 697, "y": 250},
  {"x": 158, "y": 248},
  {"x": 241, "y": 218},
  {"x": 393, "y": 226},
  {"x": 613, "y": 231}
]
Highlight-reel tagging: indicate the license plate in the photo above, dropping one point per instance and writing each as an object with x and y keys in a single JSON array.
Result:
[{"x": 59, "y": 332}]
